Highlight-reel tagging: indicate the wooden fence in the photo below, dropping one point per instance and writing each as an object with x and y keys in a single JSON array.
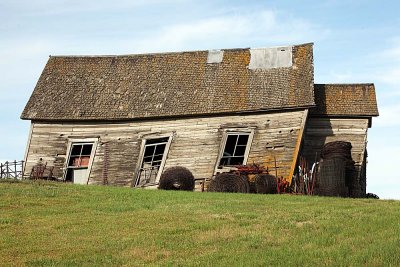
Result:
[{"x": 12, "y": 169}]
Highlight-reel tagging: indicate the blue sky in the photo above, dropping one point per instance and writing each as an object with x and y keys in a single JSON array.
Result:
[{"x": 354, "y": 41}]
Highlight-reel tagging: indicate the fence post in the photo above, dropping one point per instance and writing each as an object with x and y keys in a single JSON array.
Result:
[
  {"x": 22, "y": 169},
  {"x": 7, "y": 169},
  {"x": 15, "y": 169}
]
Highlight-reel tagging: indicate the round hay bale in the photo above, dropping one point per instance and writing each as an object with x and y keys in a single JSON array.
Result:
[
  {"x": 338, "y": 175},
  {"x": 265, "y": 184},
  {"x": 177, "y": 178},
  {"x": 339, "y": 149},
  {"x": 229, "y": 182},
  {"x": 332, "y": 178}
]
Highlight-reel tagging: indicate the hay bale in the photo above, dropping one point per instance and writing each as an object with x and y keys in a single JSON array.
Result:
[
  {"x": 338, "y": 175},
  {"x": 334, "y": 149},
  {"x": 265, "y": 184},
  {"x": 177, "y": 178},
  {"x": 332, "y": 177},
  {"x": 229, "y": 182}
]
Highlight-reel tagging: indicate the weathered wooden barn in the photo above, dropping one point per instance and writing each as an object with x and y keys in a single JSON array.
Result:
[{"x": 122, "y": 120}]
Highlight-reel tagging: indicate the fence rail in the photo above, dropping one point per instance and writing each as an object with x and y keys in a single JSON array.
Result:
[{"x": 12, "y": 169}]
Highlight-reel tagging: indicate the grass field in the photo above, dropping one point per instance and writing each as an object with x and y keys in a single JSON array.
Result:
[{"x": 54, "y": 224}]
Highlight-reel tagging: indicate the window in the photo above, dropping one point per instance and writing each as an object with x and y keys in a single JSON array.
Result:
[
  {"x": 154, "y": 154},
  {"x": 235, "y": 148},
  {"x": 80, "y": 154}
]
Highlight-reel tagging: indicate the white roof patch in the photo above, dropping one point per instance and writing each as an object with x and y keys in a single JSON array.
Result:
[
  {"x": 215, "y": 56},
  {"x": 269, "y": 58}
]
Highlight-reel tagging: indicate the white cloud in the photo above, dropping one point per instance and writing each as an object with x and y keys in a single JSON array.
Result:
[
  {"x": 23, "y": 58},
  {"x": 51, "y": 7},
  {"x": 260, "y": 28}
]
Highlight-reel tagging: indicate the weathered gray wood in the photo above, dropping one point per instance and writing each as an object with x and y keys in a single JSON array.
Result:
[
  {"x": 195, "y": 143},
  {"x": 320, "y": 131}
]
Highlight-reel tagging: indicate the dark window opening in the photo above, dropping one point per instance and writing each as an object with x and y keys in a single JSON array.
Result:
[
  {"x": 157, "y": 140},
  {"x": 235, "y": 149}
]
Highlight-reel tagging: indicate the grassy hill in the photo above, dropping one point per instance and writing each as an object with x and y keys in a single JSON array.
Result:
[{"x": 44, "y": 223}]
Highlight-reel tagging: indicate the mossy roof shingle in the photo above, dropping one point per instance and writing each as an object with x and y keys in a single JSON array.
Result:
[
  {"x": 345, "y": 100},
  {"x": 167, "y": 84}
]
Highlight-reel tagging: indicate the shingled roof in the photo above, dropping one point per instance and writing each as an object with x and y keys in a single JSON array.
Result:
[
  {"x": 173, "y": 84},
  {"x": 345, "y": 100}
]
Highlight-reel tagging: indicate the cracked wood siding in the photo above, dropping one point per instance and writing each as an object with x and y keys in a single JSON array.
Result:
[
  {"x": 320, "y": 131},
  {"x": 195, "y": 144}
]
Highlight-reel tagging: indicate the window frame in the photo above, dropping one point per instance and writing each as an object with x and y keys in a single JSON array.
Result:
[
  {"x": 141, "y": 157},
  {"x": 228, "y": 132},
  {"x": 80, "y": 155},
  {"x": 73, "y": 141}
]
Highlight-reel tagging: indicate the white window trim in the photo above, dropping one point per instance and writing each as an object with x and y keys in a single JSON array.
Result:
[
  {"x": 141, "y": 156},
  {"x": 225, "y": 135},
  {"x": 71, "y": 141}
]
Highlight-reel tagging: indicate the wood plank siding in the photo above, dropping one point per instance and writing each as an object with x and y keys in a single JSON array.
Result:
[
  {"x": 320, "y": 131},
  {"x": 196, "y": 143}
]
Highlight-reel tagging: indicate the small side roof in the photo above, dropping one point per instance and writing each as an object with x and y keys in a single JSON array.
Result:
[{"x": 354, "y": 100}]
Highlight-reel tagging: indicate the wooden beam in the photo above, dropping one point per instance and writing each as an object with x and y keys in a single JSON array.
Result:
[
  {"x": 298, "y": 144},
  {"x": 28, "y": 144}
]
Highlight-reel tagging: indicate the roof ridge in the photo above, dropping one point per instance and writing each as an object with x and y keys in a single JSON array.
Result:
[{"x": 173, "y": 52}]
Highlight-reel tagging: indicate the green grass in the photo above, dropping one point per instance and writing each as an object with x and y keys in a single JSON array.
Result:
[{"x": 54, "y": 224}]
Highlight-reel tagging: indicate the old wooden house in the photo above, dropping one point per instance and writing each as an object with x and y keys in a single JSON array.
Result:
[{"x": 122, "y": 120}]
